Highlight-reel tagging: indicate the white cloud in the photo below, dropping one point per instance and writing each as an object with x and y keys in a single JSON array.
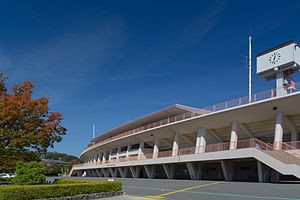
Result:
[{"x": 197, "y": 28}]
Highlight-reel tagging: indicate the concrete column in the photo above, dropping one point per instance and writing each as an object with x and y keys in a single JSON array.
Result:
[
  {"x": 99, "y": 172},
  {"x": 94, "y": 173},
  {"x": 169, "y": 169},
  {"x": 149, "y": 170},
  {"x": 234, "y": 135},
  {"x": 128, "y": 149},
  {"x": 113, "y": 172},
  {"x": 84, "y": 174},
  {"x": 175, "y": 145},
  {"x": 280, "y": 90},
  {"x": 141, "y": 151},
  {"x": 294, "y": 136},
  {"x": 193, "y": 171},
  {"x": 156, "y": 147},
  {"x": 123, "y": 171},
  {"x": 278, "y": 131},
  {"x": 104, "y": 157},
  {"x": 110, "y": 154},
  {"x": 105, "y": 173},
  {"x": 227, "y": 168},
  {"x": 79, "y": 173},
  {"x": 260, "y": 172},
  {"x": 201, "y": 141},
  {"x": 135, "y": 171},
  {"x": 89, "y": 173},
  {"x": 118, "y": 152},
  {"x": 99, "y": 157}
]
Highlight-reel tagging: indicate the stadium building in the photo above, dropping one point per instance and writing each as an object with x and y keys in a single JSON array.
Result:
[{"x": 252, "y": 138}]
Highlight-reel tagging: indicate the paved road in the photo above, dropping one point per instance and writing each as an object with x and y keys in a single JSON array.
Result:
[{"x": 206, "y": 190}]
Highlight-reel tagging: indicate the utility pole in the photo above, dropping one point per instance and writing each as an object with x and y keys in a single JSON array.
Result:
[{"x": 93, "y": 132}]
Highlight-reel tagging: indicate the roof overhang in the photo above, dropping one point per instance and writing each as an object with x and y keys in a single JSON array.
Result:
[{"x": 153, "y": 117}]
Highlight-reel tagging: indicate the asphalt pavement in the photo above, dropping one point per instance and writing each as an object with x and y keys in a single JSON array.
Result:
[{"x": 207, "y": 190}]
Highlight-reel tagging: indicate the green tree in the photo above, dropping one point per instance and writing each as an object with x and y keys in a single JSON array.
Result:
[
  {"x": 31, "y": 173},
  {"x": 26, "y": 124}
]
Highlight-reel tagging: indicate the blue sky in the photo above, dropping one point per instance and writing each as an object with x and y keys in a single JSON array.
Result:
[{"x": 109, "y": 62}]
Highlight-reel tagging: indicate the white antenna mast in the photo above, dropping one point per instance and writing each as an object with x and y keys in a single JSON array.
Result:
[
  {"x": 93, "y": 131},
  {"x": 250, "y": 81}
]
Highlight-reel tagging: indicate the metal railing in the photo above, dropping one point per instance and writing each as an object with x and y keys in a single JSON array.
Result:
[
  {"x": 169, "y": 120},
  {"x": 218, "y": 107},
  {"x": 295, "y": 144}
]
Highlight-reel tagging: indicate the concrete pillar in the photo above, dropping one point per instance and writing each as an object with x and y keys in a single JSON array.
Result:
[
  {"x": 141, "y": 151},
  {"x": 169, "y": 169},
  {"x": 280, "y": 90},
  {"x": 234, "y": 135},
  {"x": 79, "y": 173},
  {"x": 175, "y": 145},
  {"x": 227, "y": 168},
  {"x": 260, "y": 172},
  {"x": 128, "y": 149},
  {"x": 156, "y": 147},
  {"x": 110, "y": 154},
  {"x": 104, "y": 157},
  {"x": 113, "y": 172},
  {"x": 193, "y": 171},
  {"x": 149, "y": 170},
  {"x": 99, "y": 157},
  {"x": 94, "y": 173},
  {"x": 294, "y": 136},
  {"x": 123, "y": 171},
  {"x": 135, "y": 171},
  {"x": 201, "y": 141},
  {"x": 84, "y": 174},
  {"x": 89, "y": 173},
  {"x": 118, "y": 152},
  {"x": 105, "y": 172},
  {"x": 278, "y": 131},
  {"x": 99, "y": 172}
]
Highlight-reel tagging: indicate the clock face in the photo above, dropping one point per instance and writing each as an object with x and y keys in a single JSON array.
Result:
[{"x": 274, "y": 58}]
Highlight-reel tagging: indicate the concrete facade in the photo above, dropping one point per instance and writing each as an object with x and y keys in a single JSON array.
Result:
[{"x": 251, "y": 142}]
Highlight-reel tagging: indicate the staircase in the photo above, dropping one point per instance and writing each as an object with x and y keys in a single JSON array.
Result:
[{"x": 281, "y": 160}]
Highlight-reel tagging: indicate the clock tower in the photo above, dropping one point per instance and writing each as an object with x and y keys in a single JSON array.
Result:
[{"x": 280, "y": 63}]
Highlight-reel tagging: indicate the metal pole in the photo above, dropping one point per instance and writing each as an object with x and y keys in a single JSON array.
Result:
[
  {"x": 250, "y": 81},
  {"x": 93, "y": 132}
]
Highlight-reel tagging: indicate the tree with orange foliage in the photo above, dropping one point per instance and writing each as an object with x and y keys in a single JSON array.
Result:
[{"x": 27, "y": 127}]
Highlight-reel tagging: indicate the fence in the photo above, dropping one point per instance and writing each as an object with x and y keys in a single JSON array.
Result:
[{"x": 295, "y": 144}]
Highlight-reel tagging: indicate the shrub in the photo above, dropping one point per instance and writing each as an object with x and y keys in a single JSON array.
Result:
[
  {"x": 6, "y": 179},
  {"x": 62, "y": 189},
  {"x": 31, "y": 173},
  {"x": 70, "y": 181}
]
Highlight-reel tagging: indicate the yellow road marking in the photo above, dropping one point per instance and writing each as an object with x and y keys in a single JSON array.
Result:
[{"x": 199, "y": 186}]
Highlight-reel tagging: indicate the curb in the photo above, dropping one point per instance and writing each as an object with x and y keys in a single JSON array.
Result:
[{"x": 88, "y": 196}]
